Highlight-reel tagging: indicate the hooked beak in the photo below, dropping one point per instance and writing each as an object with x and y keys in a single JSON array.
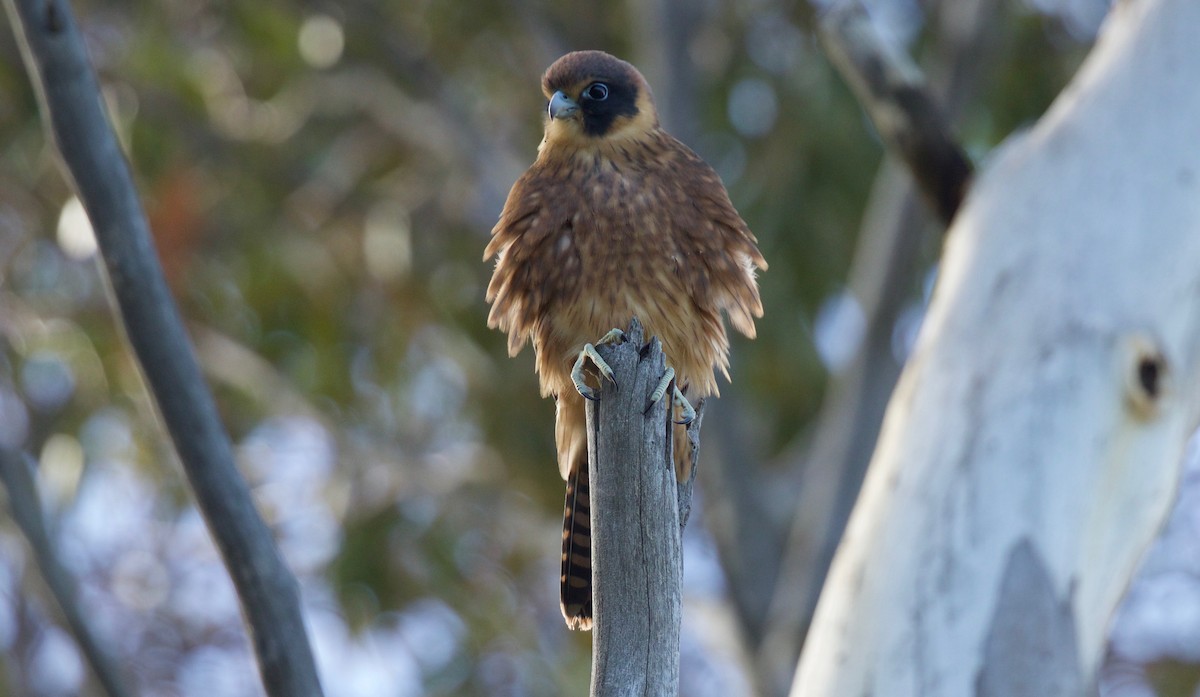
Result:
[{"x": 562, "y": 106}]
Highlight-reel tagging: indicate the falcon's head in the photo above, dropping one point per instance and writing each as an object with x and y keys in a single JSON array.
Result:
[{"x": 594, "y": 96}]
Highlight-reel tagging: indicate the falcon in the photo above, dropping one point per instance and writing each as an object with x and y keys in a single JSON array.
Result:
[{"x": 615, "y": 219}]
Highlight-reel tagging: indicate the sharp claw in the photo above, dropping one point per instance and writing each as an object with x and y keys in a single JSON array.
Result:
[
  {"x": 689, "y": 412},
  {"x": 602, "y": 367},
  {"x": 614, "y": 336},
  {"x": 577, "y": 378}
]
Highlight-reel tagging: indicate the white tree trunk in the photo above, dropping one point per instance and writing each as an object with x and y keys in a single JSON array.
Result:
[{"x": 1032, "y": 447}]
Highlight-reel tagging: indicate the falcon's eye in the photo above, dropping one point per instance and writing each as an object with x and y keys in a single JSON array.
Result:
[{"x": 597, "y": 92}]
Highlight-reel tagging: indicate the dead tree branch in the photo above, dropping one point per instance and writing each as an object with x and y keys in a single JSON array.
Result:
[
  {"x": 637, "y": 558},
  {"x": 67, "y": 91}
]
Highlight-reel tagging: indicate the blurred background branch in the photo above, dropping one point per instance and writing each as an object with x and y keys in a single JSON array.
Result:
[
  {"x": 72, "y": 107},
  {"x": 892, "y": 90},
  {"x": 24, "y": 505}
]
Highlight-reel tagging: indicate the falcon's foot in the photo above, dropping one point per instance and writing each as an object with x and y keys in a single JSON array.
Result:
[
  {"x": 614, "y": 336},
  {"x": 688, "y": 411},
  {"x": 668, "y": 383}
]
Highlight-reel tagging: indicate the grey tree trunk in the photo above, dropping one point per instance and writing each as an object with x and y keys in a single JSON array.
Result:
[{"x": 1033, "y": 445}]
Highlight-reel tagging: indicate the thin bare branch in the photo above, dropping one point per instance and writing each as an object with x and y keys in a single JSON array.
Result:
[
  {"x": 24, "y": 503},
  {"x": 67, "y": 90}
]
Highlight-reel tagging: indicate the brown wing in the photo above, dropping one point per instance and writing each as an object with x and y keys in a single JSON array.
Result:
[
  {"x": 520, "y": 287},
  {"x": 722, "y": 252}
]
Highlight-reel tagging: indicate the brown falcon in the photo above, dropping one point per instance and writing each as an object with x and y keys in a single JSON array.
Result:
[{"x": 616, "y": 219}]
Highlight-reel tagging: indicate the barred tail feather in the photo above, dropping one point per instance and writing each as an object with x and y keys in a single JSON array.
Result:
[{"x": 576, "y": 596}]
